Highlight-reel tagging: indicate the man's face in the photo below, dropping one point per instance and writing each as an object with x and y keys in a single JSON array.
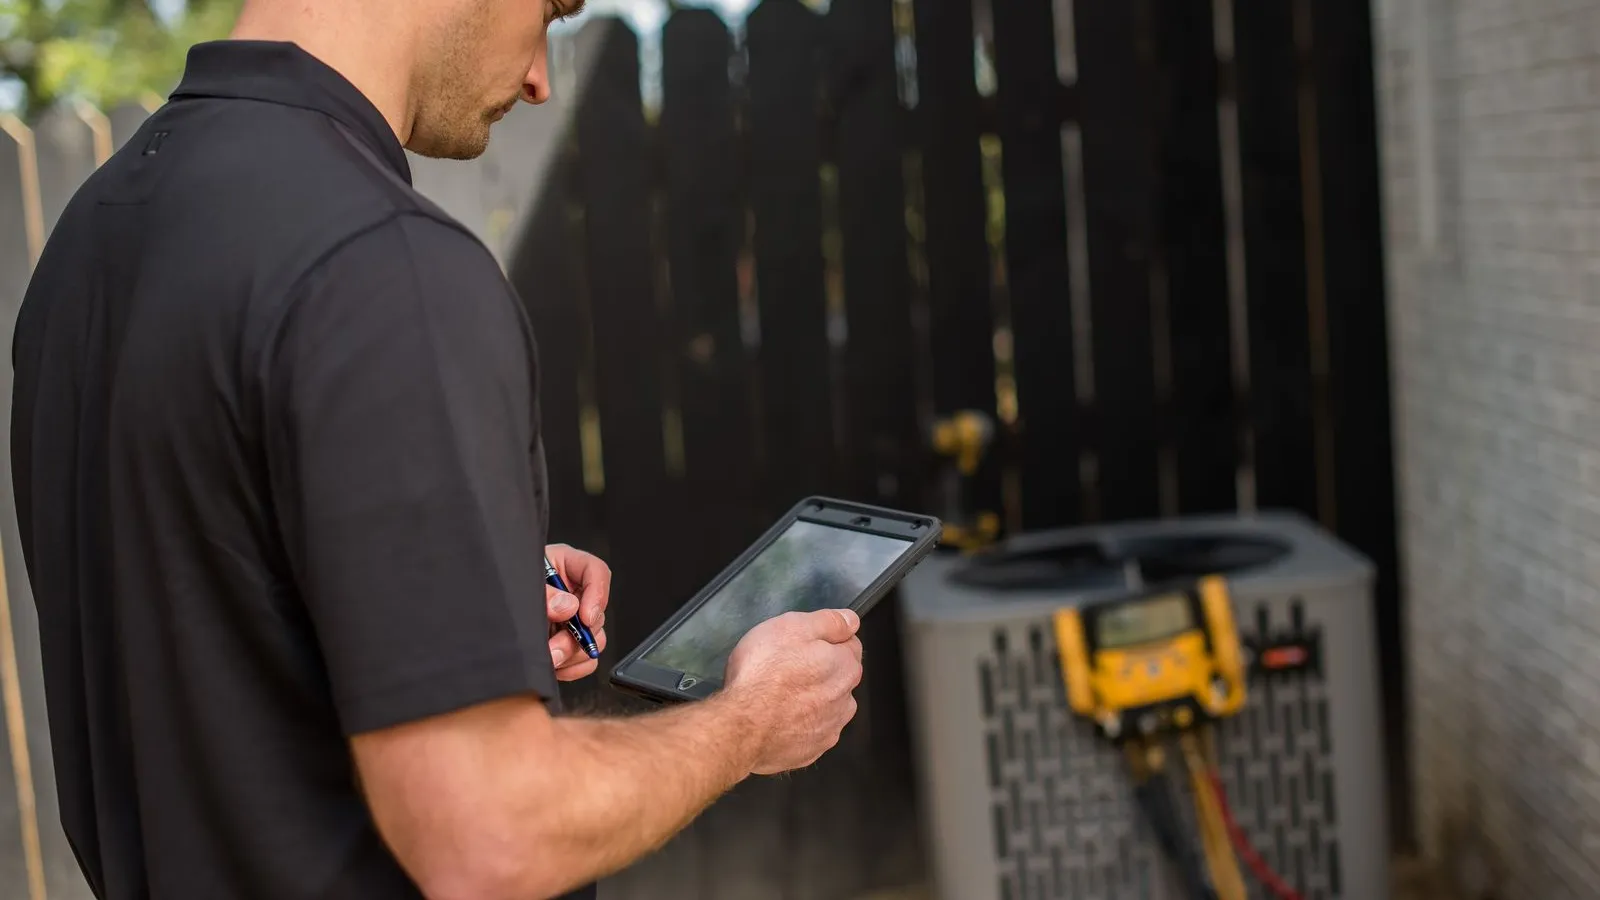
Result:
[{"x": 483, "y": 57}]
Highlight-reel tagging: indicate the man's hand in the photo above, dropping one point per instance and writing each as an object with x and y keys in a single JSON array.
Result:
[
  {"x": 590, "y": 577},
  {"x": 792, "y": 676}
]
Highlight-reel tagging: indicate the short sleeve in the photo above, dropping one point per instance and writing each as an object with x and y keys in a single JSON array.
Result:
[{"x": 399, "y": 403}]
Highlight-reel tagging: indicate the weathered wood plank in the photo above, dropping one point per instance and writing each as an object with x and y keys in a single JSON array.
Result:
[
  {"x": 549, "y": 271},
  {"x": 32, "y": 844},
  {"x": 16, "y": 261},
  {"x": 706, "y": 227},
  {"x": 960, "y": 320},
  {"x": 615, "y": 170},
  {"x": 1347, "y": 198},
  {"x": 1030, "y": 105},
  {"x": 125, "y": 121},
  {"x": 65, "y": 154},
  {"x": 1115, "y": 93},
  {"x": 1266, "y": 85},
  {"x": 705, "y": 230},
  {"x": 548, "y": 276},
  {"x": 615, "y": 175},
  {"x": 1193, "y": 255},
  {"x": 785, "y": 46},
  {"x": 752, "y": 833},
  {"x": 884, "y": 449},
  {"x": 66, "y": 158}
]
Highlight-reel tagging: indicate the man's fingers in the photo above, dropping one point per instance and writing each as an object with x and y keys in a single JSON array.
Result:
[
  {"x": 595, "y": 576},
  {"x": 856, "y": 649},
  {"x": 563, "y": 649},
  {"x": 565, "y": 652},
  {"x": 578, "y": 670},
  {"x": 835, "y": 625},
  {"x": 560, "y": 604},
  {"x": 593, "y": 606},
  {"x": 589, "y": 574}
]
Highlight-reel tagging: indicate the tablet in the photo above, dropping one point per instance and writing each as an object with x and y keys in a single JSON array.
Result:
[{"x": 824, "y": 553}]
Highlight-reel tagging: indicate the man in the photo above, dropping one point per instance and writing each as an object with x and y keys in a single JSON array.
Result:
[{"x": 277, "y": 458}]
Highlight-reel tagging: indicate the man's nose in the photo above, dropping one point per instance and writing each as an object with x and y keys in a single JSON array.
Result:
[{"x": 536, "y": 85}]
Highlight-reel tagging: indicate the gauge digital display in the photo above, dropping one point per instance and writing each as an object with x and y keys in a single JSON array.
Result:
[{"x": 1144, "y": 621}]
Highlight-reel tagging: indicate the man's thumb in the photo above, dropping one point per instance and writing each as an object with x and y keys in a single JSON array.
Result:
[{"x": 837, "y": 625}]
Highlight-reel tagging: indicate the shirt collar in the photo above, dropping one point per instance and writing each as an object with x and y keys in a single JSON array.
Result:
[{"x": 281, "y": 72}]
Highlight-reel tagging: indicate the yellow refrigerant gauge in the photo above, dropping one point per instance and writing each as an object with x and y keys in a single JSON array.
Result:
[{"x": 1153, "y": 661}]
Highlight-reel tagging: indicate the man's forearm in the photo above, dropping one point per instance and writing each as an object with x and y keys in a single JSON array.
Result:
[
  {"x": 501, "y": 801},
  {"x": 625, "y": 786}
]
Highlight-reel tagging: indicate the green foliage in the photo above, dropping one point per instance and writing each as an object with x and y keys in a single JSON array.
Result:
[{"x": 103, "y": 51}]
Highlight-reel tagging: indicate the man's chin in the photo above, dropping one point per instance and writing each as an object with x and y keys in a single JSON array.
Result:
[{"x": 459, "y": 147}]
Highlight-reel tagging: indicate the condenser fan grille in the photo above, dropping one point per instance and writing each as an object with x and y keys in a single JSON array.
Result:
[{"x": 1089, "y": 565}]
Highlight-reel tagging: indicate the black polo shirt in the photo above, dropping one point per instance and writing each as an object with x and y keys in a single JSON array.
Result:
[{"x": 277, "y": 460}]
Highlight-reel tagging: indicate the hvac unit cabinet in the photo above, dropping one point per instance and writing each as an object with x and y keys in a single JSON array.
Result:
[{"x": 1026, "y": 801}]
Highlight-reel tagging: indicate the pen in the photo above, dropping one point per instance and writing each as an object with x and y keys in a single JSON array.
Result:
[{"x": 580, "y": 632}]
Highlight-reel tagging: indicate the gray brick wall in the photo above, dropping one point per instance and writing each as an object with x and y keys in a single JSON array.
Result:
[{"x": 1490, "y": 120}]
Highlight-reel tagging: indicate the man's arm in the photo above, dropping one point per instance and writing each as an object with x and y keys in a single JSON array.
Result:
[{"x": 504, "y": 802}]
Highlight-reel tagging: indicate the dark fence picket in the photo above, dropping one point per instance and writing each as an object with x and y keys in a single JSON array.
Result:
[
  {"x": 1264, "y": 80},
  {"x": 785, "y": 158},
  {"x": 871, "y": 817},
  {"x": 1033, "y": 105},
  {"x": 706, "y": 216},
  {"x": 1115, "y": 90},
  {"x": 615, "y": 175},
  {"x": 960, "y": 318},
  {"x": 1203, "y": 413},
  {"x": 705, "y": 227},
  {"x": 752, "y": 833},
  {"x": 884, "y": 450},
  {"x": 548, "y": 275},
  {"x": 1358, "y": 397}
]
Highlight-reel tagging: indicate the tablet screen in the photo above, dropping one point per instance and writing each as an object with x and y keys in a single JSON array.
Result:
[{"x": 808, "y": 567}]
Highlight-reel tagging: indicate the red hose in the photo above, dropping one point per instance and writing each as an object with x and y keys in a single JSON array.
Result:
[{"x": 1241, "y": 844}]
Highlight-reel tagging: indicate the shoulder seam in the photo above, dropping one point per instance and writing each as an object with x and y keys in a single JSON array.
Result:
[
  {"x": 295, "y": 291},
  {"x": 389, "y": 218}
]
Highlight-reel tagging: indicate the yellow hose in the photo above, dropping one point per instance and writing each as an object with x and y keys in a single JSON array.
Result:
[{"x": 1220, "y": 859}]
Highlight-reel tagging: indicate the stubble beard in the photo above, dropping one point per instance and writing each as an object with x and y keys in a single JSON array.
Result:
[
  {"x": 451, "y": 123},
  {"x": 452, "y": 126}
]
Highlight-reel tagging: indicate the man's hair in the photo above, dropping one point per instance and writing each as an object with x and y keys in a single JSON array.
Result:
[{"x": 566, "y": 9}]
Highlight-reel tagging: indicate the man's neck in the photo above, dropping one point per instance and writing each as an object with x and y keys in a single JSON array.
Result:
[{"x": 369, "y": 51}]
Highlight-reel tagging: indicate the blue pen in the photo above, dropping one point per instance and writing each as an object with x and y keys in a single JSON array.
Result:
[{"x": 580, "y": 632}]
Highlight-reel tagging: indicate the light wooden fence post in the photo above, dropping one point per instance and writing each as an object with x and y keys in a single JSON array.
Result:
[
  {"x": 21, "y": 238},
  {"x": 66, "y": 148},
  {"x": 40, "y": 169}
]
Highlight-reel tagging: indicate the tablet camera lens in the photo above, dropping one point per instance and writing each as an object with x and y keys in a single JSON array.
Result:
[{"x": 863, "y": 521}]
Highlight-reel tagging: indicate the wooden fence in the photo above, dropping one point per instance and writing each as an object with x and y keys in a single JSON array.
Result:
[{"x": 1143, "y": 236}]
